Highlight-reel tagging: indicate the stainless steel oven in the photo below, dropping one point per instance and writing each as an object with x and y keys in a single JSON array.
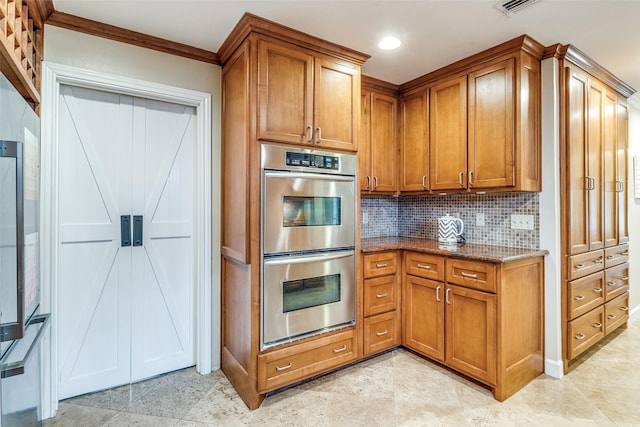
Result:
[
  {"x": 308, "y": 219},
  {"x": 309, "y": 200}
]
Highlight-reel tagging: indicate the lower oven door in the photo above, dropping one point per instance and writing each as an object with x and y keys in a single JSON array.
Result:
[{"x": 305, "y": 295}]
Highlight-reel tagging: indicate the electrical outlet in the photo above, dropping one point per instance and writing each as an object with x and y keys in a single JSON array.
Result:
[
  {"x": 365, "y": 217},
  {"x": 522, "y": 222},
  {"x": 456, "y": 214},
  {"x": 480, "y": 219}
]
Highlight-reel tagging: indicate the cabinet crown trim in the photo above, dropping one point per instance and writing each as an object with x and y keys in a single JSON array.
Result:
[
  {"x": 576, "y": 56},
  {"x": 521, "y": 43},
  {"x": 250, "y": 23}
]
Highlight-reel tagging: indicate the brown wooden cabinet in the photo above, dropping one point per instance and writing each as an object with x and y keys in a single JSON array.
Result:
[
  {"x": 378, "y": 154},
  {"x": 414, "y": 141},
  {"x": 278, "y": 85},
  {"x": 305, "y": 97},
  {"x": 593, "y": 174},
  {"x": 483, "y": 123},
  {"x": 462, "y": 313},
  {"x": 381, "y": 300}
]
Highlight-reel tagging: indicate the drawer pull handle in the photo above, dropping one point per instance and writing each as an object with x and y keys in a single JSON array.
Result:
[
  {"x": 382, "y": 295},
  {"x": 611, "y": 256},
  {"x": 424, "y": 267},
  {"x": 384, "y": 264},
  {"x": 578, "y": 266},
  {"x": 385, "y": 332},
  {"x": 611, "y": 283},
  {"x": 598, "y": 261},
  {"x": 579, "y": 298},
  {"x": 624, "y": 308},
  {"x": 340, "y": 350},
  {"x": 625, "y": 277},
  {"x": 284, "y": 368},
  {"x": 611, "y": 316},
  {"x": 473, "y": 276},
  {"x": 597, "y": 290},
  {"x": 625, "y": 253},
  {"x": 580, "y": 336},
  {"x": 446, "y": 296},
  {"x": 438, "y": 293},
  {"x": 597, "y": 325}
]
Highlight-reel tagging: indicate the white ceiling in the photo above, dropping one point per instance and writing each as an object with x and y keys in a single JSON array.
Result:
[{"x": 434, "y": 33}]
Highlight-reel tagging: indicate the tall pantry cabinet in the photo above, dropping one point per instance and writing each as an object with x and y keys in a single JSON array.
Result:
[
  {"x": 594, "y": 132},
  {"x": 278, "y": 86}
]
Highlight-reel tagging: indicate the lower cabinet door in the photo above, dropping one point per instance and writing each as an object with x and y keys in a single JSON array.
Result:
[
  {"x": 423, "y": 316},
  {"x": 470, "y": 332},
  {"x": 381, "y": 332}
]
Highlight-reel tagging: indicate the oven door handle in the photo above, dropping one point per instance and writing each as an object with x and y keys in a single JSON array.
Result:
[
  {"x": 321, "y": 176},
  {"x": 306, "y": 259}
]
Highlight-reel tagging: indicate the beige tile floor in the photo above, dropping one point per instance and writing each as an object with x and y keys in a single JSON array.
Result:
[{"x": 394, "y": 389}]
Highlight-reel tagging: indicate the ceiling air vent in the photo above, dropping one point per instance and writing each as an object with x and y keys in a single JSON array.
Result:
[{"x": 512, "y": 6}]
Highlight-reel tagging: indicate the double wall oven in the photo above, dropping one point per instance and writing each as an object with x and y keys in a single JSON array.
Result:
[{"x": 308, "y": 215}]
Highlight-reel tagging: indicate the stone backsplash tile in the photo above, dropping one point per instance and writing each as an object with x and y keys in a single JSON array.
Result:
[
  {"x": 417, "y": 216},
  {"x": 382, "y": 216}
]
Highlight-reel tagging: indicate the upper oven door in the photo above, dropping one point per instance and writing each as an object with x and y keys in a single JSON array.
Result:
[{"x": 308, "y": 211}]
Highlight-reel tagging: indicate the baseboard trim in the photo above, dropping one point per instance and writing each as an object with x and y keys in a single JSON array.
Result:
[{"x": 554, "y": 368}]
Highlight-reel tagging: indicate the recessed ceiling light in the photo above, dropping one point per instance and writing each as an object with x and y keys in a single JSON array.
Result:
[{"x": 389, "y": 43}]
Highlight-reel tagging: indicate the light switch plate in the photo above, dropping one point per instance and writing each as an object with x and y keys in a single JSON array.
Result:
[
  {"x": 365, "y": 217},
  {"x": 480, "y": 219},
  {"x": 522, "y": 222}
]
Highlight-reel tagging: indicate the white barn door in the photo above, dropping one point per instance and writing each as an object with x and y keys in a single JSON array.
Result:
[{"x": 125, "y": 312}]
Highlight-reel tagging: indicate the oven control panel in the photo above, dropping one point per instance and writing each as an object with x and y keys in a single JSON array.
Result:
[{"x": 312, "y": 160}]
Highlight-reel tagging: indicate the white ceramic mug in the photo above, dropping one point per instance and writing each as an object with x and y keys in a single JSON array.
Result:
[{"x": 449, "y": 229}]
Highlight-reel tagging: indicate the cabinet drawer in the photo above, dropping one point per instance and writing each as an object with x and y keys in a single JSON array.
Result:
[
  {"x": 584, "y": 264},
  {"x": 616, "y": 312},
  {"x": 424, "y": 265},
  {"x": 381, "y": 332},
  {"x": 472, "y": 274},
  {"x": 585, "y": 294},
  {"x": 380, "y": 264},
  {"x": 616, "y": 255},
  {"x": 288, "y": 365},
  {"x": 380, "y": 294},
  {"x": 585, "y": 331},
  {"x": 617, "y": 281}
]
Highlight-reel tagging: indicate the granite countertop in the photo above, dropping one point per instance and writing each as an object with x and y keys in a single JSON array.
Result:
[{"x": 473, "y": 251}]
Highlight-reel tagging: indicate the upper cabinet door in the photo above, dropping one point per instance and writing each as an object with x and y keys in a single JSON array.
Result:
[
  {"x": 610, "y": 179},
  {"x": 621, "y": 171},
  {"x": 448, "y": 134},
  {"x": 384, "y": 147},
  {"x": 595, "y": 162},
  {"x": 285, "y": 94},
  {"x": 491, "y": 126},
  {"x": 414, "y": 142},
  {"x": 337, "y": 96},
  {"x": 576, "y": 172},
  {"x": 364, "y": 151}
]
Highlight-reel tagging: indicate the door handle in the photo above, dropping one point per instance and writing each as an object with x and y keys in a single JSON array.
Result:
[
  {"x": 125, "y": 230},
  {"x": 137, "y": 230}
]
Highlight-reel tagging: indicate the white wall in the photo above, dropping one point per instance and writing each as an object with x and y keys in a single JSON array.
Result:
[
  {"x": 106, "y": 56},
  {"x": 550, "y": 218},
  {"x": 634, "y": 209}
]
